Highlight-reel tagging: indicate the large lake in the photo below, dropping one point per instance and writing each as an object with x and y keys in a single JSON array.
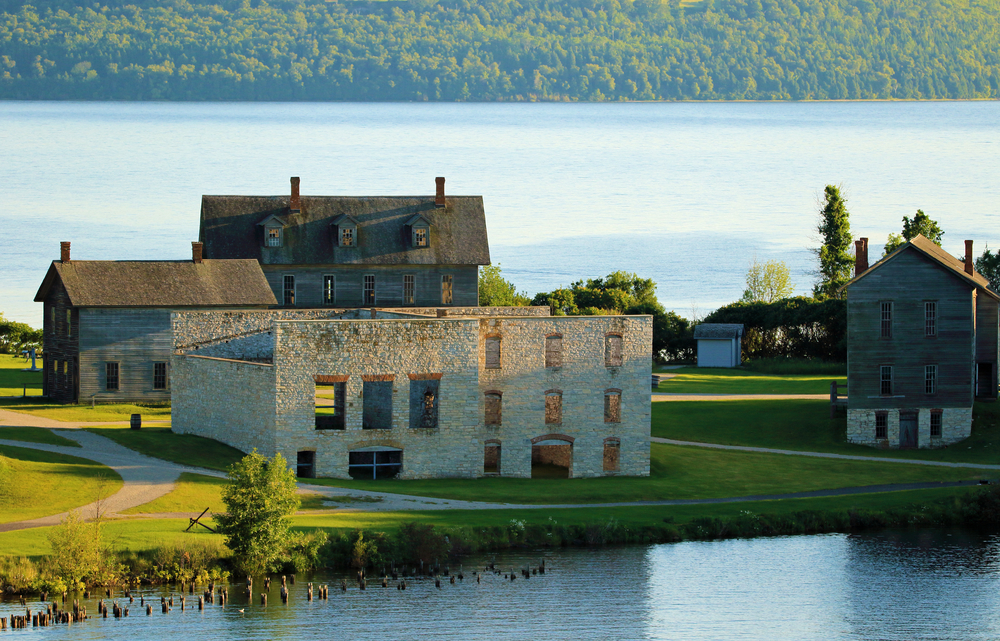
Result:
[
  {"x": 907, "y": 586},
  {"x": 686, "y": 194}
]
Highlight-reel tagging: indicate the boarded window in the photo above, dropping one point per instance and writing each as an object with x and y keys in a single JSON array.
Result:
[
  {"x": 553, "y": 407},
  {"x": 289, "y": 290},
  {"x": 377, "y": 406},
  {"x": 930, "y": 318},
  {"x": 936, "y": 423},
  {"x": 885, "y": 380},
  {"x": 613, "y": 407},
  {"x": 881, "y": 425},
  {"x": 369, "y": 291},
  {"x": 330, "y": 406},
  {"x": 612, "y": 454},
  {"x": 493, "y": 409},
  {"x": 409, "y": 289},
  {"x": 885, "y": 320},
  {"x": 491, "y": 458},
  {"x": 274, "y": 236},
  {"x": 382, "y": 464},
  {"x": 424, "y": 395},
  {"x": 612, "y": 350},
  {"x": 930, "y": 379},
  {"x": 159, "y": 376},
  {"x": 347, "y": 237},
  {"x": 446, "y": 289},
  {"x": 111, "y": 376},
  {"x": 492, "y": 352},
  {"x": 553, "y": 351},
  {"x": 329, "y": 289}
]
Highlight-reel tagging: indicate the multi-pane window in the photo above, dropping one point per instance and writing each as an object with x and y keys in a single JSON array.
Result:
[
  {"x": 446, "y": 289},
  {"x": 612, "y": 350},
  {"x": 553, "y": 350},
  {"x": 885, "y": 319},
  {"x": 930, "y": 318},
  {"x": 111, "y": 376},
  {"x": 494, "y": 403},
  {"x": 382, "y": 464},
  {"x": 289, "y": 290},
  {"x": 369, "y": 291},
  {"x": 881, "y": 425},
  {"x": 347, "y": 237},
  {"x": 492, "y": 352},
  {"x": 613, "y": 406},
  {"x": 419, "y": 236},
  {"x": 885, "y": 380},
  {"x": 935, "y": 423},
  {"x": 159, "y": 375},
  {"x": 409, "y": 289},
  {"x": 930, "y": 379},
  {"x": 329, "y": 289},
  {"x": 553, "y": 407},
  {"x": 274, "y": 236}
]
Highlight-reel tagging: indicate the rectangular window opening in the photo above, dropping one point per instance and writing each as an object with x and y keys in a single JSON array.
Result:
[
  {"x": 329, "y": 399},
  {"x": 329, "y": 289},
  {"x": 420, "y": 237},
  {"x": 494, "y": 409},
  {"x": 377, "y": 405},
  {"x": 424, "y": 395},
  {"x": 930, "y": 318},
  {"x": 612, "y": 350},
  {"x": 936, "y": 417},
  {"x": 159, "y": 376},
  {"x": 347, "y": 237},
  {"x": 492, "y": 352},
  {"x": 553, "y": 409},
  {"x": 369, "y": 291},
  {"x": 446, "y": 289},
  {"x": 612, "y": 455},
  {"x": 491, "y": 458},
  {"x": 885, "y": 320},
  {"x": 305, "y": 467},
  {"x": 69, "y": 322},
  {"x": 613, "y": 407},
  {"x": 289, "y": 290},
  {"x": 274, "y": 237},
  {"x": 374, "y": 465},
  {"x": 930, "y": 379},
  {"x": 111, "y": 377},
  {"x": 885, "y": 380},
  {"x": 553, "y": 351},
  {"x": 409, "y": 289},
  {"x": 881, "y": 425}
]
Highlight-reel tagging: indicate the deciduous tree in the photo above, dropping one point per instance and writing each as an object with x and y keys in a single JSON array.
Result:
[
  {"x": 495, "y": 291},
  {"x": 921, "y": 224},
  {"x": 767, "y": 282}
]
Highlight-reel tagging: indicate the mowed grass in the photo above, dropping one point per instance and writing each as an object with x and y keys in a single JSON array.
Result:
[
  {"x": 85, "y": 413},
  {"x": 192, "y": 493},
  {"x": 13, "y": 380},
  {"x": 34, "y": 483},
  {"x": 710, "y": 380},
  {"x": 34, "y": 435},
  {"x": 148, "y": 534},
  {"x": 185, "y": 449},
  {"x": 805, "y": 425},
  {"x": 676, "y": 473}
]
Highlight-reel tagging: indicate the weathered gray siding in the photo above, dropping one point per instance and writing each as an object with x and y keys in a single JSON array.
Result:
[
  {"x": 60, "y": 372},
  {"x": 388, "y": 284},
  {"x": 986, "y": 339},
  {"x": 133, "y": 337}
]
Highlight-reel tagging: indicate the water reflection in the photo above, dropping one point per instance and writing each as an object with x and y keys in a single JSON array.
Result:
[{"x": 893, "y": 585}]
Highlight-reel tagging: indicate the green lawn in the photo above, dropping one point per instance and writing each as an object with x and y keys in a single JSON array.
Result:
[
  {"x": 806, "y": 425},
  {"x": 710, "y": 380},
  {"x": 86, "y": 413},
  {"x": 13, "y": 380},
  {"x": 34, "y": 483},
  {"x": 186, "y": 449},
  {"x": 34, "y": 435},
  {"x": 193, "y": 493}
]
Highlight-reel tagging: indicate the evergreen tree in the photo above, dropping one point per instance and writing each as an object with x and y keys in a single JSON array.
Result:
[{"x": 835, "y": 261}]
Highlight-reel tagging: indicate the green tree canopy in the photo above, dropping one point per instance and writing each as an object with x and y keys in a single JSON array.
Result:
[
  {"x": 259, "y": 497},
  {"x": 920, "y": 224},
  {"x": 15, "y": 336},
  {"x": 989, "y": 266},
  {"x": 494, "y": 291},
  {"x": 767, "y": 282},
  {"x": 835, "y": 260}
]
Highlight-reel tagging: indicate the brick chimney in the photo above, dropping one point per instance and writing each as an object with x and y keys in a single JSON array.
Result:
[
  {"x": 968, "y": 258},
  {"x": 64, "y": 251},
  {"x": 295, "y": 204},
  {"x": 439, "y": 198},
  {"x": 196, "y": 251},
  {"x": 860, "y": 256}
]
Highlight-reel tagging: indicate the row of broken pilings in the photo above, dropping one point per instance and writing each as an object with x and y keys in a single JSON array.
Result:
[{"x": 53, "y": 615}]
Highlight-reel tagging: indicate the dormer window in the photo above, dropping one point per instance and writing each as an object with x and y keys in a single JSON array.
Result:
[
  {"x": 274, "y": 236},
  {"x": 345, "y": 231},
  {"x": 274, "y": 231},
  {"x": 420, "y": 231}
]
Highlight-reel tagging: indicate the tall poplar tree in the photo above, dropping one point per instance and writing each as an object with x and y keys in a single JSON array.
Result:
[{"x": 835, "y": 260}]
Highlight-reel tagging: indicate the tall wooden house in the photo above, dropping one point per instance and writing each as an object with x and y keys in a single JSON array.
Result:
[
  {"x": 922, "y": 346},
  {"x": 107, "y": 332},
  {"x": 340, "y": 251}
]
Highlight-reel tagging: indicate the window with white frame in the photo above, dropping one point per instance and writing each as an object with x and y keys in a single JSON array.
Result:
[
  {"x": 419, "y": 236},
  {"x": 885, "y": 319},
  {"x": 111, "y": 377},
  {"x": 885, "y": 380},
  {"x": 274, "y": 236},
  {"x": 329, "y": 289},
  {"x": 160, "y": 375},
  {"x": 347, "y": 237},
  {"x": 936, "y": 416},
  {"x": 881, "y": 425},
  {"x": 409, "y": 289}
]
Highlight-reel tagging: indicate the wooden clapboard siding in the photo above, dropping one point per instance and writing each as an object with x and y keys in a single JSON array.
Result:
[
  {"x": 388, "y": 284},
  {"x": 908, "y": 281},
  {"x": 61, "y": 347},
  {"x": 987, "y": 343},
  {"x": 133, "y": 337}
]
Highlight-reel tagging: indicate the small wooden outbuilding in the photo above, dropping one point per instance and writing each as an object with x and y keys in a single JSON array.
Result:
[{"x": 719, "y": 344}]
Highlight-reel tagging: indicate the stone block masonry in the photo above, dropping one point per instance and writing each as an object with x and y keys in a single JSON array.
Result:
[
  {"x": 604, "y": 363},
  {"x": 956, "y": 425}
]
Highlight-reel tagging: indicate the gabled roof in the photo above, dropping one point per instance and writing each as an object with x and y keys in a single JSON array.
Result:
[
  {"x": 718, "y": 330},
  {"x": 941, "y": 257},
  {"x": 160, "y": 283},
  {"x": 344, "y": 219},
  {"x": 275, "y": 218},
  {"x": 228, "y": 229},
  {"x": 416, "y": 219}
]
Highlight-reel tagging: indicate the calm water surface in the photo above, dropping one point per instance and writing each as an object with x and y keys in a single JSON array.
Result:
[
  {"x": 894, "y": 585},
  {"x": 686, "y": 194}
]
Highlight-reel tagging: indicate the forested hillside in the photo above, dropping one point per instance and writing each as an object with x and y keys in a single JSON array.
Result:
[{"x": 500, "y": 49}]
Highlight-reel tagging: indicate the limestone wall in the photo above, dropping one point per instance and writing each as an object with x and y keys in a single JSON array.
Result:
[
  {"x": 229, "y": 401},
  {"x": 195, "y": 329},
  {"x": 542, "y": 310},
  {"x": 956, "y": 425}
]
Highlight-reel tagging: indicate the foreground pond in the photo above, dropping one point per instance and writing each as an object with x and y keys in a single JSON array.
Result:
[{"x": 921, "y": 584}]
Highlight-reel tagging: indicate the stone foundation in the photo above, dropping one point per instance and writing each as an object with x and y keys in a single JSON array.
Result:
[{"x": 956, "y": 425}]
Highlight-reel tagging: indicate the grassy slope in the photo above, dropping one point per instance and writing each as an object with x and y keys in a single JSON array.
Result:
[
  {"x": 86, "y": 413},
  {"x": 195, "y": 492},
  {"x": 12, "y": 379},
  {"x": 706, "y": 380},
  {"x": 43, "y": 483},
  {"x": 34, "y": 435},
  {"x": 806, "y": 425},
  {"x": 179, "y": 448}
]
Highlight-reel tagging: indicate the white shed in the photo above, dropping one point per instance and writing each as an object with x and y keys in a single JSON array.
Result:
[{"x": 718, "y": 344}]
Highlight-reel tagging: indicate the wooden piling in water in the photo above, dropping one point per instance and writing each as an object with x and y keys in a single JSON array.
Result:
[
  {"x": 149, "y": 609},
  {"x": 263, "y": 598}
]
